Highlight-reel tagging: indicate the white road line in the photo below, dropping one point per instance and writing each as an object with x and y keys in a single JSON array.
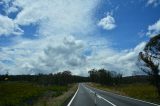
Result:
[
  {"x": 100, "y": 97},
  {"x": 106, "y": 100},
  {"x": 73, "y": 97},
  {"x": 130, "y": 98}
]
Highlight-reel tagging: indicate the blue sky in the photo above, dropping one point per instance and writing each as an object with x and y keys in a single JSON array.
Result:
[
  {"x": 53, "y": 36},
  {"x": 131, "y": 19}
]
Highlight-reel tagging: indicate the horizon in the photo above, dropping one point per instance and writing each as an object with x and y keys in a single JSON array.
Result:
[{"x": 52, "y": 36}]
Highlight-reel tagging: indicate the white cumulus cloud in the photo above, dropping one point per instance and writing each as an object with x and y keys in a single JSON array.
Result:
[
  {"x": 107, "y": 23},
  {"x": 154, "y": 29},
  {"x": 120, "y": 61}
]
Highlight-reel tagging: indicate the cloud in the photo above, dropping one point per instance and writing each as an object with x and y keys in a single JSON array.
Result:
[
  {"x": 107, "y": 23},
  {"x": 32, "y": 58},
  {"x": 66, "y": 56},
  {"x": 8, "y": 27},
  {"x": 67, "y": 53},
  {"x": 61, "y": 16},
  {"x": 120, "y": 61},
  {"x": 58, "y": 28},
  {"x": 154, "y": 29},
  {"x": 64, "y": 27},
  {"x": 154, "y": 3}
]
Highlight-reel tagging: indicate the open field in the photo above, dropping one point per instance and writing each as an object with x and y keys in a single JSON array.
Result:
[
  {"x": 141, "y": 91},
  {"x": 25, "y": 93},
  {"x": 61, "y": 100}
]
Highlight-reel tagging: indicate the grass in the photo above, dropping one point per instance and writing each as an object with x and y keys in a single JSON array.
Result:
[
  {"x": 141, "y": 91},
  {"x": 57, "y": 90},
  {"x": 61, "y": 100},
  {"x": 25, "y": 93}
]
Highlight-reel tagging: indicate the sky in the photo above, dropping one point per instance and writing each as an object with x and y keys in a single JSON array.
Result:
[{"x": 51, "y": 36}]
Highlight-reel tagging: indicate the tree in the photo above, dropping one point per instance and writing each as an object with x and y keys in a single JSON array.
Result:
[
  {"x": 67, "y": 77},
  {"x": 149, "y": 60},
  {"x": 103, "y": 76},
  {"x": 93, "y": 75}
]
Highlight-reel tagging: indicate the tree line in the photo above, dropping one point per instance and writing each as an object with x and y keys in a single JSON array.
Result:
[
  {"x": 60, "y": 78},
  {"x": 105, "y": 77}
]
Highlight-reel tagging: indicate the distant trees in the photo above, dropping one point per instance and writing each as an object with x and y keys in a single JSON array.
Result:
[
  {"x": 93, "y": 74},
  {"x": 149, "y": 60},
  {"x": 60, "y": 78},
  {"x": 104, "y": 77}
]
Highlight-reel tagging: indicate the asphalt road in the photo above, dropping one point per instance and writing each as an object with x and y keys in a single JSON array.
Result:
[{"x": 89, "y": 96}]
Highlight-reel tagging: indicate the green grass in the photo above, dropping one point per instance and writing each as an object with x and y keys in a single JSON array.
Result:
[
  {"x": 58, "y": 90},
  {"x": 61, "y": 100},
  {"x": 25, "y": 93},
  {"x": 138, "y": 90}
]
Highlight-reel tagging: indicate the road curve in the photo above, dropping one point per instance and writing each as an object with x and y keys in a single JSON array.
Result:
[{"x": 89, "y": 96}]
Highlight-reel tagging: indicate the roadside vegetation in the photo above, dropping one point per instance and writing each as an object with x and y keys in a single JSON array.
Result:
[
  {"x": 143, "y": 91},
  {"x": 61, "y": 100},
  {"x": 25, "y": 93},
  {"x": 30, "y": 90},
  {"x": 139, "y": 86}
]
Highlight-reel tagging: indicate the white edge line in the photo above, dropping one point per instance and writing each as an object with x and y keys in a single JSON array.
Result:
[
  {"x": 140, "y": 100},
  {"x": 73, "y": 97},
  {"x": 101, "y": 97},
  {"x": 130, "y": 97}
]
